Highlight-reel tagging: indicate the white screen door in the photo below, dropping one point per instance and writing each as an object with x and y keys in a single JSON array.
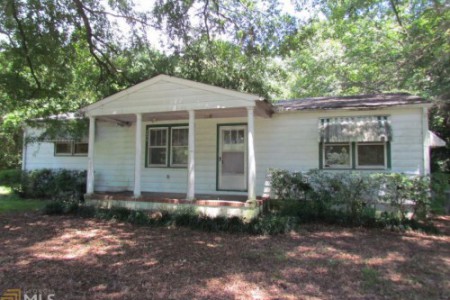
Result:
[{"x": 232, "y": 159}]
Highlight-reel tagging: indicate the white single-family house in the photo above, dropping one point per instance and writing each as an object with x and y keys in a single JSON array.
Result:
[{"x": 169, "y": 142}]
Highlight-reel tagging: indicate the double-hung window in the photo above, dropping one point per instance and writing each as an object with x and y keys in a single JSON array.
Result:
[
  {"x": 337, "y": 155},
  {"x": 158, "y": 148},
  {"x": 167, "y": 146},
  {"x": 179, "y": 146},
  {"x": 371, "y": 155},
  {"x": 355, "y": 142}
]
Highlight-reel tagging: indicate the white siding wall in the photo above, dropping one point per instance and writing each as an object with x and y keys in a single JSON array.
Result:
[
  {"x": 113, "y": 157},
  {"x": 41, "y": 155},
  {"x": 287, "y": 140}
]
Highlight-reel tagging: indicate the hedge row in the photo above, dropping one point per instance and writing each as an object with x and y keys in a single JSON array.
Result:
[
  {"x": 56, "y": 184},
  {"x": 354, "y": 193}
]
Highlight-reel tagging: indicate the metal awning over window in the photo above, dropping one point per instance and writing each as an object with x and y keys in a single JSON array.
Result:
[{"x": 355, "y": 129}]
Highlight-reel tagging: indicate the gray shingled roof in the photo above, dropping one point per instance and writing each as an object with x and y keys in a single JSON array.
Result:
[{"x": 348, "y": 102}]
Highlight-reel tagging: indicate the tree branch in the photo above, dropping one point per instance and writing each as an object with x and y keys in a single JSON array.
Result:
[
  {"x": 106, "y": 63},
  {"x": 24, "y": 43},
  {"x": 397, "y": 16},
  {"x": 205, "y": 19},
  {"x": 89, "y": 36},
  {"x": 130, "y": 18}
]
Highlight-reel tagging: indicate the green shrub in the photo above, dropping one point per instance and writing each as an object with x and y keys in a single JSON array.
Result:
[
  {"x": 118, "y": 213},
  {"x": 11, "y": 178},
  {"x": 268, "y": 224},
  {"x": 54, "y": 208},
  {"x": 86, "y": 211},
  {"x": 138, "y": 218},
  {"x": 272, "y": 224},
  {"x": 59, "y": 184},
  {"x": 440, "y": 186},
  {"x": 352, "y": 193},
  {"x": 405, "y": 193},
  {"x": 289, "y": 185}
]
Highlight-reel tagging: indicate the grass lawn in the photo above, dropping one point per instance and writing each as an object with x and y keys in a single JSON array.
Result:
[
  {"x": 12, "y": 203},
  {"x": 94, "y": 259}
]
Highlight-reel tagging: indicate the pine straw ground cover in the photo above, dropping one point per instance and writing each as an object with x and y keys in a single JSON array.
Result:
[{"x": 94, "y": 259}]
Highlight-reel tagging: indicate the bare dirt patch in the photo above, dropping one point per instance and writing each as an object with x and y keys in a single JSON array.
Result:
[{"x": 94, "y": 259}]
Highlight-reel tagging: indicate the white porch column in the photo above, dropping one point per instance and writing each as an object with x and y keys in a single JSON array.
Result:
[
  {"x": 90, "y": 172},
  {"x": 137, "y": 158},
  {"x": 191, "y": 157},
  {"x": 251, "y": 154}
]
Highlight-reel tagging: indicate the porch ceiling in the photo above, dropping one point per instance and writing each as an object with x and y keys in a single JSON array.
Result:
[{"x": 262, "y": 109}]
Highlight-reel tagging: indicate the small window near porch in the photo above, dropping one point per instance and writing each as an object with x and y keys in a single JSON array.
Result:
[
  {"x": 63, "y": 148},
  {"x": 158, "y": 146}
]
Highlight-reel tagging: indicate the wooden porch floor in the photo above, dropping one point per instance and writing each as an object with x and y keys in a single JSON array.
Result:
[{"x": 177, "y": 198}]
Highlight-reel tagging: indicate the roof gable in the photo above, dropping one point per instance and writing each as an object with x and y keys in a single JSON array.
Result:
[{"x": 166, "y": 93}]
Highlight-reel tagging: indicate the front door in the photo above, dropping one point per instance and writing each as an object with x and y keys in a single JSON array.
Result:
[{"x": 232, "y": 158}]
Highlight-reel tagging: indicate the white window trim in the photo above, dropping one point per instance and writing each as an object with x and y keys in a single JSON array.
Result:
[
  {"x": 358, "y": 166},
  {"x": 165, "y": 165},
  {"x": 172, "y": 146},
  {"x": 349, "y": 166}
]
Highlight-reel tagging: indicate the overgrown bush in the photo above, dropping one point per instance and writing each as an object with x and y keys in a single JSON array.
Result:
[
  {"x": 440, "y": 187},
  {"x": 11, "y": 178},
  {"x": 59, "y": 184},
  {"x": 351, "y": 195},
  {"x": 289, "y": 185},
  {"x": 406, "y": 193},
  {"x": 349, "y": 192},
  {"x": 265, "y": 224},
  {"x": 54, "y": 208}
]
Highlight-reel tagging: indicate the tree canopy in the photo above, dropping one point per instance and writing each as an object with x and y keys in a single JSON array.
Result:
[{"x": 57, "y": 56}]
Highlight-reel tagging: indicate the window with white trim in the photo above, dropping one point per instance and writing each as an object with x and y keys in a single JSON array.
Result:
[
  {"x": 167, "y": 146},
  {"x": 71, "y": 148},
  {"x": 158, "y": 146}
]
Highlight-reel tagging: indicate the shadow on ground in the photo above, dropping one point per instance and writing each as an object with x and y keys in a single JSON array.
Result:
[{"x": 94, "y": 259}]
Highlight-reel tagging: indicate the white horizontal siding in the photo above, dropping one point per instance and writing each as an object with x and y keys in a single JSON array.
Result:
[
  {"x": 113, "y": 157},
  {"x": 165, "y": 96},
  {"x": 407, "y": 141},
  {"x": 41, "y": 156},
  {"x": 286, "y": 141}
]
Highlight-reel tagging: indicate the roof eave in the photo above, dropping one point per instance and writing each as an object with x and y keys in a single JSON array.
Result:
[
  {"x": 156, "y": 79},
  {"x": 279, "y": 109}
]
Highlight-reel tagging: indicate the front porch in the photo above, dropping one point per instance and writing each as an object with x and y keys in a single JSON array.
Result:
[
  {"x": 210, "y": 205},
  {"x": 173, "y": 145}
]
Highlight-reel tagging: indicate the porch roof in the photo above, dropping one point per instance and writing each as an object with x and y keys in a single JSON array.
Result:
[{"x": 166, "y": 98}]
